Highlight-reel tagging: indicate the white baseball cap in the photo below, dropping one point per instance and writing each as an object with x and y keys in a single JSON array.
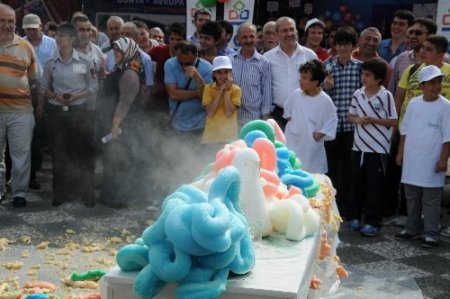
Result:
[
  {"x": 313, "y": 22},
  {"x": 31, "y": 21},
  {"x": 221, "y": 62},
  {"x": 429, "y": 73}
]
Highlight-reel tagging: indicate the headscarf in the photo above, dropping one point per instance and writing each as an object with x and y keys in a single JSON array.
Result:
[{"x": 129, "y": 48}]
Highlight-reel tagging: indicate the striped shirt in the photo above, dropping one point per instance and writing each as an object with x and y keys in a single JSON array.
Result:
[
  {"x": 18, "y": 71},
  {"x": 373, "y": 138},
  {"x": 347, "y": 79},
  {"x": 254, "y": 76}
]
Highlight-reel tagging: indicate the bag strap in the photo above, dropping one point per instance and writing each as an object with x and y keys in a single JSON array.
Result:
[
  {"x": 413, "y": 69},
  {"x": 186, "y": 87}
]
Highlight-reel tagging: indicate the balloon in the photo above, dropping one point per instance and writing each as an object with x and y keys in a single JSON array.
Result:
[
  {"x": 336, "y": 16},
  {"x": 208, "y": 3},
  {"x": 221, "y": 1}
]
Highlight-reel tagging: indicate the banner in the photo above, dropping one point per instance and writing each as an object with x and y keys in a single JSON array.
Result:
[
  {"x": 237, "y": 12},
  {"x": 443, "y": 18},
  {"x": 191, "y": 7}
]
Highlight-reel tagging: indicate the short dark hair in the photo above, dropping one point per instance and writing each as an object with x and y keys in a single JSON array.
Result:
[
  {"x": 346, "y": 35},
  {"x": 202, "y": 11},
  {"x": 176, "y": 28},
  {"x": 67, "y": 28},
  {"x": 79, "y": 18},
  {"x": 227, "y": 26},
  {"x": 185, "y": 47},
  {"x": 428, "y": 23},
  {"x": 439, "y": 42},
  {"x": 377, "y": 66},
  {"x": 141, "y": 24},
  {"x": 405, "y": 14},
  {"x": 212, "y": 29},
  {"x": 317, "y": 70}
]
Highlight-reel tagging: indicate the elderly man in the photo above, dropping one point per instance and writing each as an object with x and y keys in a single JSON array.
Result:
[
  {"x": 369, "y": 42},
  {"x": 19, "y": 70},
  {"x": 285, "y": 60},
  {"x": 157, "y": 34},
  {"x": 44, "y": 47},
  {"x": 114, "y": 30},
  {"x": 253, "y": 73},
  {"x": 270, "y": 37}
]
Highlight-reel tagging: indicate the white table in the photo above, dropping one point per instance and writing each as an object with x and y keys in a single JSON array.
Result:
[{"x": 283, "y": 269}]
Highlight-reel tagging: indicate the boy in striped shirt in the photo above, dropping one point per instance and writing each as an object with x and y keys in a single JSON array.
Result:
[{"x": 372, "y": 110}]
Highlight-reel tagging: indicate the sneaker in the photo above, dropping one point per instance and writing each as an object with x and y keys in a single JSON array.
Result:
[
  {"x": 405, "y": 235},
  {"x": 19, "y": 202},
  {"x": 446, "y": 232},
  {"x": 354, "y": 224},
  {"x": 401, "y": 221},
  {"x": 369, "y": 231},
  {"x": 428, "y": 243}
]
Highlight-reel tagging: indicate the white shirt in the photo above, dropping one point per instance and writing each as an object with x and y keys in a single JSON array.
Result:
[
  {"x": 426, "y": 126},
  {"x": 308, "y": 115},
  {"x": 373, "y": 138},
  {"x": 285, "y": 74}
]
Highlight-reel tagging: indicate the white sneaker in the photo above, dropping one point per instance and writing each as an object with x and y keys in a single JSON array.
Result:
[
  {"x": 446, "y": 232},
  {"x": 401, "y": 221}
]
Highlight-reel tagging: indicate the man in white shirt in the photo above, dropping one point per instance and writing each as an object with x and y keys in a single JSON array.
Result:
[{"x": 286, "y": 59}]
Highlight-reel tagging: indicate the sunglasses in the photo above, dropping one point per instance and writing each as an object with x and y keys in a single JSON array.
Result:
[{"x": 416, "y": 32}]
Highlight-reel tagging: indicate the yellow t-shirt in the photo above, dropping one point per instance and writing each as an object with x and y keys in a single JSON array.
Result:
[
  {"x": 219, "y": 128},
  {"x": 412, "y": 85}
]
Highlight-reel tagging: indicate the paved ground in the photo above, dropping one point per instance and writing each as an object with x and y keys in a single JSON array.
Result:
[{"x": 80, "y": 239}]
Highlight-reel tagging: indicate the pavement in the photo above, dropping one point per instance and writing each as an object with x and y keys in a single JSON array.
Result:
[{"x": 48, "y": 243}]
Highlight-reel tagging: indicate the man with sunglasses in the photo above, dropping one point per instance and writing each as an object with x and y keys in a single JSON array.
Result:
[{"x": 185, "y": 75}]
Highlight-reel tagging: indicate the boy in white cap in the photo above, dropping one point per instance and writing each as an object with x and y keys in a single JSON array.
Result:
[
  {"x": 314, "y": 36},
  {"x": 423, "y": 153},
  {"x": 221, "y": 100}
]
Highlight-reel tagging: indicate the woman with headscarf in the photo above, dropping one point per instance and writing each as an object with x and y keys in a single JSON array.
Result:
[{"x": 121, "y": 89}]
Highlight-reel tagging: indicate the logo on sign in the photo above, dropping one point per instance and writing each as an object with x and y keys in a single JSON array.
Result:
[{"x": 239, "y": 12}]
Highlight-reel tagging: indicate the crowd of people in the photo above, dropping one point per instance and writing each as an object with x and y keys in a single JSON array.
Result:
[{"x": 363, "y": 110}]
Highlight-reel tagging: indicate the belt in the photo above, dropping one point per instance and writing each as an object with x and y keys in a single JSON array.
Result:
[{"x": 68, "y": 108}]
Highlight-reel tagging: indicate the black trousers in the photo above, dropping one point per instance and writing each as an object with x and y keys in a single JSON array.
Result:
[
  {"x": 277, "y": 115},
  {"x": 368, "y": 187},
  {"x": 339, "y": 167},
  {"x": 71, "y": 142}
]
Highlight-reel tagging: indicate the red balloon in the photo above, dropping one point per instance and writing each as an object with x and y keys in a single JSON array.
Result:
[{"x": 221, "y": 1}]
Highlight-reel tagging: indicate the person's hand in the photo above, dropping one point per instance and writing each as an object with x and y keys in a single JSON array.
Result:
[
  {"x": 115, "y": 131},
  {"x": 364, "y": 120},
  {"x": 317, "y": 136},
  {"x": 441, "y": 166},
  {"x": 399, "y": 159},
  {"x": 192, "y": 72},
  {"x": 328, "y": 83},
  {"x": 39, "y": 110}
]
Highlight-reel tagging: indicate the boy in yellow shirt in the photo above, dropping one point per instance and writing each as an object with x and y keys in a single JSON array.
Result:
[{"x": 221, "y": 100}]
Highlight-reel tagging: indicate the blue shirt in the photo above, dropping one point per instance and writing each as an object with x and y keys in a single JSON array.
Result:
[
  {"x": 384, "y": 49},
  {"x": 44, "y": 51},
  {"x": 189, "y": 115},
  {"x": 347, "y": 79},
  {"x": 254, "y": 76}
]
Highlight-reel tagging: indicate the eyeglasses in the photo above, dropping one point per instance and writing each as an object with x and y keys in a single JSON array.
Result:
[{"x": 416, "y": 32}]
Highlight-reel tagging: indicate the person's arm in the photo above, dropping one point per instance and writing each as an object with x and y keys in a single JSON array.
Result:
[
  {"x": 443, "y": 158},
  {"x": 387, "y": 122},
  {"x": 211, "y": 108},
  {"x": 355, "y": 119},
  {"x": 399, "y": 98},
  {"x": 266, "y": 87},
  {"x": 129, "y": 89},
  {"x": 328, "y": 130},
  {"x": 192, "y": 72},
  {"x": 401, "y": 146},
  {"x": 232, "y": 98},
  {"x": 177, "y": 94}
]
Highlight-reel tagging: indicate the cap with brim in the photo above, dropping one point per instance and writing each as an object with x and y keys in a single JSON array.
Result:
[
  {"x": 221, "y": 62},
  {"x": 314, "y": 22},
  {"x": 429, "y": 73},
  {"x": 31, "y": 21}
]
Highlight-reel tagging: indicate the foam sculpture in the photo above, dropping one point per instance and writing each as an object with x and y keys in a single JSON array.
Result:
[{"x": 197, "y": 240}]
